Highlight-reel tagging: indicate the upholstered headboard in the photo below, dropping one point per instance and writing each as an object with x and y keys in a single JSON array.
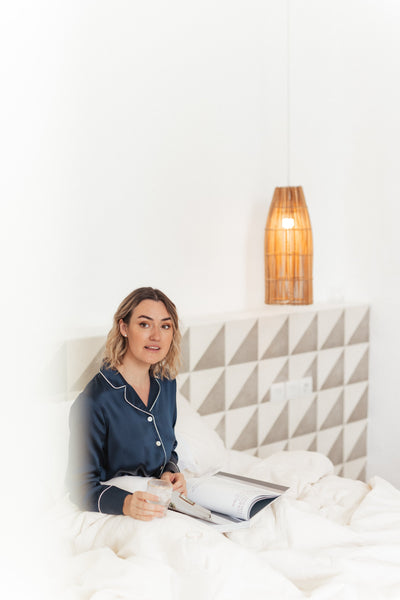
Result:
[{"x": 230, "y": 363}]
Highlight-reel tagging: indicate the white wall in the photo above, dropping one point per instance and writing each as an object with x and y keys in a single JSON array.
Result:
[
  {"x": 345, "y": 126},
  {"x": 156, "y": 136}
]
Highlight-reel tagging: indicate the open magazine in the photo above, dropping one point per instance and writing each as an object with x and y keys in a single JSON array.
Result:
[{"x": 225, "y": 498}]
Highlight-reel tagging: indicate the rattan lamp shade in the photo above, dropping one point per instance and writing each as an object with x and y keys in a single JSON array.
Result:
[{"x": 288, "y": 249}]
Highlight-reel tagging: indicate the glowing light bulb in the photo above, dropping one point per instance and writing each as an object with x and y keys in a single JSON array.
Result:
[{"x": 288, "y": 223}]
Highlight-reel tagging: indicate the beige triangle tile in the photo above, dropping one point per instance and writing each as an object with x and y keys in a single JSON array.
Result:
[
  {"x": 303, "y": 365},
  {"x": 360, "y": 447},
  {"x": 353, "y": 395},
  {"x": 183, "y": 385},
  {"x": 355, "y": 469},
  {"x": 361, "y": 334},
  {"x": 273, "y": 419},
  {"x": 248, "y": 351},
  {"x": 221, "y": 429},
  {"x": 279, "y": 430},
  {"x": 330, "y": 443},
  {"x": 248, "y": 394},
  {"x": 236, "y": 378},
  {"x": 251, "y": 451},
  {"x": 217, "y": 422},
  {"x": 248, "y": 436},
  {"x": 330, "y": 368},
  {"x": 338, "y": 470},
  {"x": 335, "y": 415},
  {"x": 360, "y": 411},
  {"x": 328, "y": 401},
  {"x": 361, "y": 372},
  {"x": 185, "y": 352},
  {"x": 201, "y": 384},
  {"x": 303, "y": 331},
  {"x": 271, "y": 371},
  {"x": 304, "y": 442},
  {"x": 354, "y": 434},
  {"x": 354, "y": 317},
  {"x": 308, "y": 423},
  {"x": 335, "y": 454},
  {"x": 270, "y": 449},
  {"x": 200, "y": 339},
  {"x": 273, "y": 337},
  {"x": 236, "y": 334},
  {"x": 336, "y": 376},
  {"x": 283, "y": 374},
  {"x": 298, "y": 409},
  {"x": 215, "y": 399},
  {"x": 363, "y": 475},
  {"x": 236, "y": 421},
  {"x": 214, "y": 356},
  {"x": 330, "y": 328},
  {"x": 356, "y": 363}
]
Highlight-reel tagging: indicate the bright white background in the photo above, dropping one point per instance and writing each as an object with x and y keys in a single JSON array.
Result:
[{"x": 140, "y": 145}]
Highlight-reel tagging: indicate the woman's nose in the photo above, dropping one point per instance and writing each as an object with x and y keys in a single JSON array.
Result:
[{"x": 155, "y": 333}]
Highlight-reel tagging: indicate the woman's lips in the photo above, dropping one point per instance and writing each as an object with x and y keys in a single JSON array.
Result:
[{"x": 152, "y": 348}]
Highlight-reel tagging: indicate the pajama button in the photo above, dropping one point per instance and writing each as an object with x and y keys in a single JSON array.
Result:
[
  {"x": 158, "y": 443},
  {"x": 149, "y": 419}
]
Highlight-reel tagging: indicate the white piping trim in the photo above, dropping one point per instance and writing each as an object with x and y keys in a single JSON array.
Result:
[
  {"x": 152, "y": 416},
  {"x": 109, "y": 382},
  {"x": 98, "y": 501},
  {"x": 159, "y": 390},
  {"x": 133, "y": 406},
  {"x": 165, "y": 454},
  {"x": 155, "y": 424}
]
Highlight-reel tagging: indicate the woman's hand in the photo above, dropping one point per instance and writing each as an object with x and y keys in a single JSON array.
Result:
[
  {"x": 177, "y": 480},
  {"x": 139, "y": 505}
]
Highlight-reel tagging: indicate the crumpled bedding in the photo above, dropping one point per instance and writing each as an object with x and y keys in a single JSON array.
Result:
[{"x": 327, "y": 538}]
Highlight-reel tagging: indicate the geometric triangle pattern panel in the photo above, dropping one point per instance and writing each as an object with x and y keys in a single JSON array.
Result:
[{"x": 230, "y": 365}]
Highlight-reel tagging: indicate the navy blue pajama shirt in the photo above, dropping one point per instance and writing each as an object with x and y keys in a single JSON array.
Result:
[{"x": 113, "y": 433}]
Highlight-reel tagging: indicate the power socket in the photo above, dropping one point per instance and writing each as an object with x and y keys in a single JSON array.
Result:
[
  {"x": 278, "y": 392},
  {"x": 298, "y": 388},
  {"x": 291, "y": 390}
]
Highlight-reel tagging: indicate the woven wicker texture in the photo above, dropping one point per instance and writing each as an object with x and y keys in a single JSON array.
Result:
[{"x": 288, "y": 249}]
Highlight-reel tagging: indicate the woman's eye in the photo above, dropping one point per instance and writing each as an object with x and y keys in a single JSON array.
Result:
[
  {"x": 166, "y": 326},
  {"x": 143, "y": 324}
]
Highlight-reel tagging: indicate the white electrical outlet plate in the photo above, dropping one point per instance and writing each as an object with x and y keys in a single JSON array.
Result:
[
  {"x": 306, "y": 386},
  {"x": 298, "y": 388},
  {"x": 292, "y": 389},
  {"x": 277, "y": 392}
]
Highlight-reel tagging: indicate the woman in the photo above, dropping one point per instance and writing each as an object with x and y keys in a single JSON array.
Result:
[{"x": 123, "y": 422}]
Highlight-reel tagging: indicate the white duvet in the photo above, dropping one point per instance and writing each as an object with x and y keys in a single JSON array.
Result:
[{"x": 326, "y": 538}]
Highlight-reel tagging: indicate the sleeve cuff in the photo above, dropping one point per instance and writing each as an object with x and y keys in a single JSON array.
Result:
[
  {"x": 171, "y": 467},
  {"x": 111, "y": 500}
]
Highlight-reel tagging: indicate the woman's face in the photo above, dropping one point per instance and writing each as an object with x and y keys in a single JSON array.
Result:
[{"x": 149, "y": 333}]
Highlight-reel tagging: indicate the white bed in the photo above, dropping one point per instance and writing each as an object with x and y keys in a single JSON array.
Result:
[{"x": 328, "y": 537}]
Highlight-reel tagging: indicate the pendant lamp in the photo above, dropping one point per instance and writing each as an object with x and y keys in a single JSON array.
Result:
[{"x": 288, "y": 249}]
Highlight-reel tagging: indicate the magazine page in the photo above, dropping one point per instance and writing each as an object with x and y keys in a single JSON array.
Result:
[{"x": 228, "y": 494}]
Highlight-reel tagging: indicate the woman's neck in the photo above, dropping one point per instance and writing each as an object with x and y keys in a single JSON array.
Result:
[{"x": 138, "y": 377}]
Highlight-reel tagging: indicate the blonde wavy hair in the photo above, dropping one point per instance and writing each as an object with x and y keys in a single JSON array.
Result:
[{"x": 117, "y": 344}]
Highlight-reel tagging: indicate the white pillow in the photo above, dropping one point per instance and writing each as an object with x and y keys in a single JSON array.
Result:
[
  {"x": 200, "y": 449},
  {"x": 296, "y": 469}
]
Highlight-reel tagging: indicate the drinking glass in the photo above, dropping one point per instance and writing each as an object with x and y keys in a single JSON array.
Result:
[{"x": 162, "y": 489}]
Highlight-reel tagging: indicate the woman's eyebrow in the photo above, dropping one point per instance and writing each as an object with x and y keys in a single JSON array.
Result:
[{"x": 151, "y": 319}]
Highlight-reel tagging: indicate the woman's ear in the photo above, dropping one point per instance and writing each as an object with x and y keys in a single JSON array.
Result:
[{"x": 123, "y": 328}]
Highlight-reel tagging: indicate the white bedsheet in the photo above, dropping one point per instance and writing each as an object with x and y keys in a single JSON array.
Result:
[{"x": 327, "y": 538}]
